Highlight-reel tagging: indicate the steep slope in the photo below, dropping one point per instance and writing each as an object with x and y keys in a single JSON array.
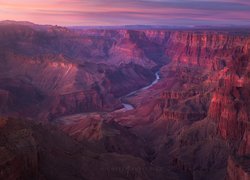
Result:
[
  {"x": 56, "y": 64},
  {"x": 193, "y": 124},
  {"x": 33, "y": 151},
  {"x": 197, "y": 116}
]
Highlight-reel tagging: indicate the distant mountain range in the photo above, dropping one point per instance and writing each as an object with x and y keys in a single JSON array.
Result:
[{"x": 130, "y": 27}]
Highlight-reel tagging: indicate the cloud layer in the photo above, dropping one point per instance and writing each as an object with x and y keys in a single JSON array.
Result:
[{"x": 128, "y": 12}]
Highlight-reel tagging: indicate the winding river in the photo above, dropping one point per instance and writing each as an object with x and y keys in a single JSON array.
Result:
[{"x": 126, "y": 106}]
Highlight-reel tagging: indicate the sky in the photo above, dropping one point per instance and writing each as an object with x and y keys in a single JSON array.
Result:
[{"x": 127, "y": 12}]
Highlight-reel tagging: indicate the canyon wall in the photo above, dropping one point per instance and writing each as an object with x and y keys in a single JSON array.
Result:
[
  {"x": 204, "y": 88},
  {"x": 193, "y": 124}
]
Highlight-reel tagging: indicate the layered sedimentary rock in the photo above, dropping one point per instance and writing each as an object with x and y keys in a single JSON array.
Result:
[
  {"x": 32, "y": 151},
  {"x": 211, "y": 70},
  {"x": 104, "y": 133},
  {"x": 194, "y": 121}
]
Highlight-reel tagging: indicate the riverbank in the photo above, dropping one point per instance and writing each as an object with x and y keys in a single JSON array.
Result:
[{"x": 127, "y": 106}]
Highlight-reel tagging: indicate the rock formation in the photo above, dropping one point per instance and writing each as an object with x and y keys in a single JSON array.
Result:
[{"x": 70, "y": 85}]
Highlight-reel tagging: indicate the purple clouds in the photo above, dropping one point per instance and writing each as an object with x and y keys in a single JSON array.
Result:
[{"x": 128, "y": 12}]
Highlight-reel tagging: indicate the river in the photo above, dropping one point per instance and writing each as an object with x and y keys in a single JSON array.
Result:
[{"x": 128, "y": 107}]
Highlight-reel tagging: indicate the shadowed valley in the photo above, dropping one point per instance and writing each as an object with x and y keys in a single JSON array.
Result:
[{"x": 62, "y": 96}]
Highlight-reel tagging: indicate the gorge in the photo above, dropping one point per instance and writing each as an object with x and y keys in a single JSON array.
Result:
[
  {"x": 128, "y": 107},
  {"x": 68, "y": 98}
]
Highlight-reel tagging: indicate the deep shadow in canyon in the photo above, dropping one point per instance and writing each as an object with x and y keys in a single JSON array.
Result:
[{"x": 62, "y": 93}]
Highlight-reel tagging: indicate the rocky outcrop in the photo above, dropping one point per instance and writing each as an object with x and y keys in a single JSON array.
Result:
[
  {"x": 244, "y": 148},
  {"x": 19, "y": 158},
  {"x": 104, "y": 133},
  {"x": 203, "y": 48},
  {"x": 229, "y": 106},
  {"x": 195, "y": 121},
  {"x": 33, "y": 151},
  {"x": 55, "y": 85},
  {"x": 207, "y": 80},
  {"x": 239, "y": 163},
  {"x": 174, "y": 115},
  {"x": 76, "y": 102},
  {"x": 238, "y": 168}
]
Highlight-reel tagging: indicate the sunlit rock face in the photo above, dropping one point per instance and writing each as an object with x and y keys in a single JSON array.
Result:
[
  {"x": 192, "y": 124},
  {"x": 238, "y": 169}
]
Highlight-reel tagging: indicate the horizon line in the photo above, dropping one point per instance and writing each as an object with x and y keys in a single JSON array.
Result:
[{"x": 127, "y": 25}]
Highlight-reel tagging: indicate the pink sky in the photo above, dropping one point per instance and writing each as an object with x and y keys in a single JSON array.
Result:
[{"x": 127, "y": 12}]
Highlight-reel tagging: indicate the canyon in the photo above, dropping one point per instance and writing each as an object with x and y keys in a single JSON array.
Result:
[{"x": 124, "y": 104}]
